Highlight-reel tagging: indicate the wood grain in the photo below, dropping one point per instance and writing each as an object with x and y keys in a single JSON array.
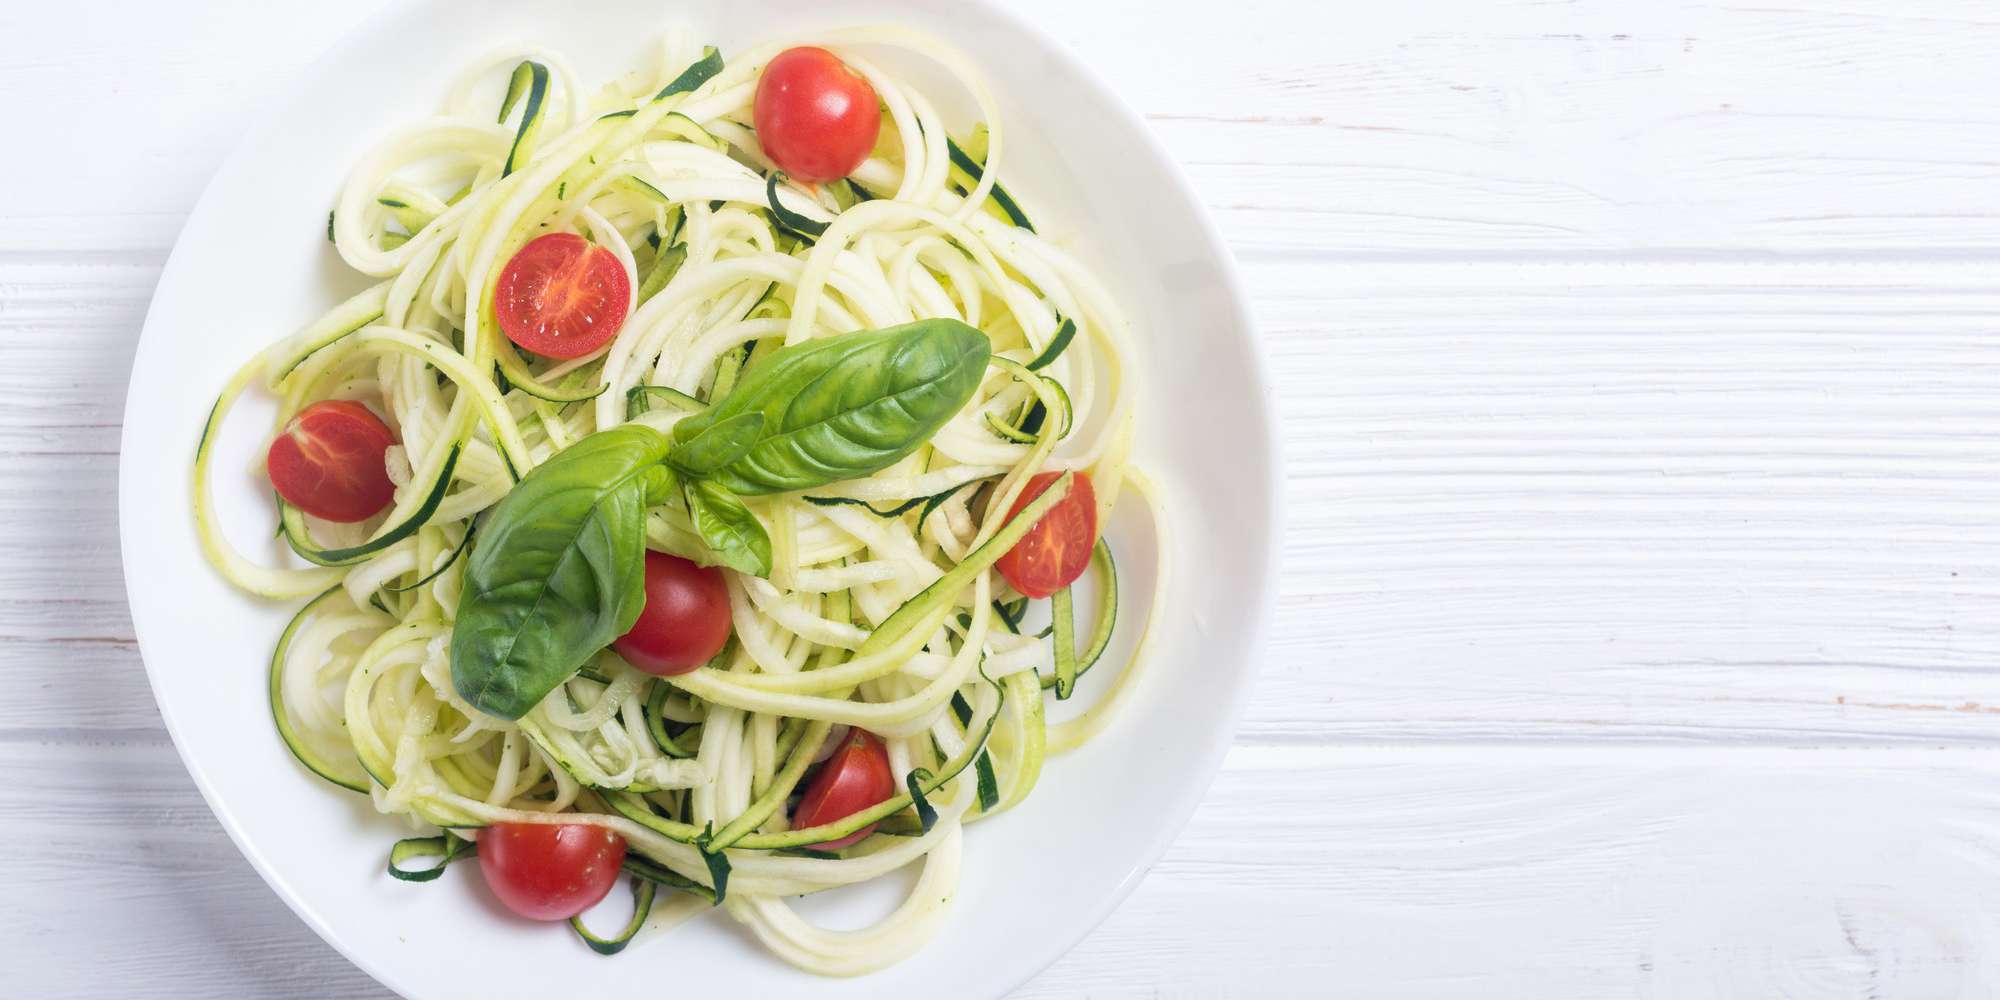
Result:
[
  {"x": 1661, "y": 502},
  {"x": 1637, "y": 362},
  {"x": 1441, "y": 873},
  {"x": 1453, "y": 873}
]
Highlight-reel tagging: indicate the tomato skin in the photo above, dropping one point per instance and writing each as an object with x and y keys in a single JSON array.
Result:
[
  {"x": 1057, "y": 549},
  {"x": 328, "y": 462},
  {"x": 816, "y": 118},
  {"x": 562, "y": 296},
  {"x": 550, "y": 871},
  {"x": 855, "y": 777},
  {"x": 685, "y": 621}
]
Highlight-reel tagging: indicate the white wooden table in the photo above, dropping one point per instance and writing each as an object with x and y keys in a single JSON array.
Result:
[{"x": 1640, "y": 366}]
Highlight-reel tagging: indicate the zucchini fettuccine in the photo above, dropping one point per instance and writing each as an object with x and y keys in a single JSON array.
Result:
[{"x": 857, "y": 403}]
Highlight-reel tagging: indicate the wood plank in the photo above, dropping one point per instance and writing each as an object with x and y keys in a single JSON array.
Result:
[
  {"x": 133, "y": 886},
  {"x": 1654, "y": 503},
  {"x": 1440, "y": 127},
  {"x": 1798, "y": 457},
  {"x": 1445, "y": 127},
  {"x": 1436, "y": 873},
  {"x": 1485, "y": 873},
  {"x": 1795, "y": 460}
]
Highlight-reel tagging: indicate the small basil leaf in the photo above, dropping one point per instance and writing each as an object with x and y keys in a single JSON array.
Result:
[
  {"x": 703, "y": 449},
  {"x": 730, "y": 529},
  {"x": 659, "y": 485},
  {"x": 848, "y": 406},
  {"x": 558, "y": 571}
]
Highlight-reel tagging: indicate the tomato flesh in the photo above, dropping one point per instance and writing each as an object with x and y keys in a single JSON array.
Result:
[
  {"x": 562, "y": 296},
  {"x": 817, "y": 119},
  {"x": 855, "y": 777},
  {"x": 550, "y": 871},
  {"x": 1057, "y": 549},
  {"x": 685, "y": 621},
  {"x": 328, "y": 462}
]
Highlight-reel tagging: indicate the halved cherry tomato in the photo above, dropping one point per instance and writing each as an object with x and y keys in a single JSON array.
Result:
[
  {"x": 550, "y": 871},
  {"x": 1057, "y": 549},
  {"x": 816, "y": 118},
  {"x": 685, "y": 621},
  {"x": 328, "y": 462},
  {"x": 562, "y": 296},
  {"x": 855, "y": 777}
]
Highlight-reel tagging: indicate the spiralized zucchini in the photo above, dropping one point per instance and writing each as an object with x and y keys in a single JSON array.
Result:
[{"x": 881, "y": 609}]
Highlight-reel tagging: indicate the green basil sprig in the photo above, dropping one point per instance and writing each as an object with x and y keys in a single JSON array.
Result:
[
  {"x": 719, "y": 443},
  {"x": 559, "y": 570},
  {"x": 846, "y": 407},
  {"x": 732, "y": 532}
]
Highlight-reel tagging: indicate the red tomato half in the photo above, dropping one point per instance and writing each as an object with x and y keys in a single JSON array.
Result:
[
  {"x": 686, "y": 619},
  {"x": 562, "y": 296},
  {"x": 1057, "y": 549},
  {"x": 328, "y": 462},
  {"x": 550, "y": 871},
  {"x": 816, "y": 118},
  {"x": 855, "y": 777}
]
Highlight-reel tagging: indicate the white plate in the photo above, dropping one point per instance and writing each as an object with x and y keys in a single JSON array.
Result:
[{"x": 252, "y": 265}]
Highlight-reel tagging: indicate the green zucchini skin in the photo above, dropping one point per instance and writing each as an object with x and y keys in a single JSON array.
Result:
[
  {"x": 299, "y": 537},
  {"x": 355, "y": 778},
  {"x": 1107, "y": 616},
  {"x": 964, "y": 161}
]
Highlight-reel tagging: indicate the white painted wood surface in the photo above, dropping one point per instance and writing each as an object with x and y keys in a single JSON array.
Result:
[{"x": 1640, "y": 366}]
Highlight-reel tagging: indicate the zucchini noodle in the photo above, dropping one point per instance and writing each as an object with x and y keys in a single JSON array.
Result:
[{"x": 882, "y": 609}]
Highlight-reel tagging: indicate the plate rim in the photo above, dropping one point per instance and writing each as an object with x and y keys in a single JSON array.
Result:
[{"x": 1172, "y": 819}]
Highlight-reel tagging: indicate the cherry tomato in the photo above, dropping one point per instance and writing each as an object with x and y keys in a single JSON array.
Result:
[
  {"x": 550, "y": 871},
  {"x": 686, "y": 619},
  {"x": 1057, "y": 549},
  {"x": 562, "y": 296},
  {"x": 816, "y": 118},
  {"x": 328, "y": 462},
  {"x": 855, "y": 777}
]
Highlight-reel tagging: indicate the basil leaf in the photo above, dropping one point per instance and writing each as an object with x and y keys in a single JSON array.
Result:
[
  {"x": 707, "y": 448},
  {"x": 730, "y": 529},
  {"x": 558, "y": 572},
  {"x": 845, "y": 407},
  {"x": 659, "y": 482}
]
